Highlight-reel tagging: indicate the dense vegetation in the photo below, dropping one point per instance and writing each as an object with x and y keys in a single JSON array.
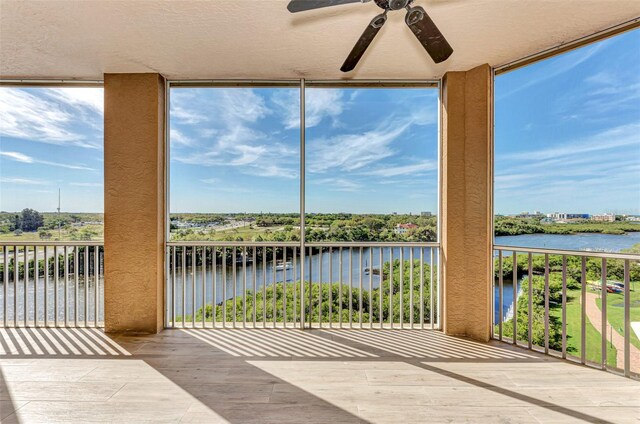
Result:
[
  {"x": 341, "y": 298},
  {"x": 49, "y": 225},
  {"x": 593, "y": 268},
  {"x": 320, "y": 227},
  {"x": 510, "y": 226}
]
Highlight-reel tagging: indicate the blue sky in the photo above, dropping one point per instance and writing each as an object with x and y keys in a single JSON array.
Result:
[
  {"x": 51, "y": 139},
  {"x": 567, "y": 139},
  {"x": 367, "y": 150},
  {"x": 567, "y": 131}
]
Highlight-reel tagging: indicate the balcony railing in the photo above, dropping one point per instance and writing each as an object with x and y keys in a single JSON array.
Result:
[
  {"x": 57, "y": 284},
  {"x": 574, "y": 304},
  {"x": 363, "y": 285}
]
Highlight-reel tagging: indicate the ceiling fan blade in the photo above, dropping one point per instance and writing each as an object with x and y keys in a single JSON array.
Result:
[
  {"x": 295, "y": 6},
  {"x": 363, "y": 42},
  {"x": 428, "y": 34}
]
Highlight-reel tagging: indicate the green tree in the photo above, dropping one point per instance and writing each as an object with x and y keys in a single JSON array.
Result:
[{"x": 31, "y": 220}]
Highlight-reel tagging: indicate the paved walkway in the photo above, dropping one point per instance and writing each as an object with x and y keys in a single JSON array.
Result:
[{"x": 595, "y": 316}]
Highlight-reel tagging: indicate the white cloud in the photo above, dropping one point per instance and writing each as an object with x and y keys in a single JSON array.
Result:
[
  {"x": 414, "y": 169},
  {"x": 86, "y": 184},
  {"x": 176, "y": 137},
  {"x": 20, "y": 157},
  {"x": 40, "y": 118},
  {"x": 350, "y": 152},
  {"x": 25, "y": 181},
  {"x": 338, "y": 184},
  {"x": 319, "y": 103},
  {"x": 84, "y": 97}
]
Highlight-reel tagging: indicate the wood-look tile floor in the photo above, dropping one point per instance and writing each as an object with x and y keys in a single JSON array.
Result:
[{"x": 291, "y": 376}]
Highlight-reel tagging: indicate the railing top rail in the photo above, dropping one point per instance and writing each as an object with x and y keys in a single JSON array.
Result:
[
  {"x": 50, "y": 243},
  {"x": 606, "y": 255},
  {"x": 373, "y": 244},
  {"x": 234, "y": 243},
  {"x": 297, "y": 244}
]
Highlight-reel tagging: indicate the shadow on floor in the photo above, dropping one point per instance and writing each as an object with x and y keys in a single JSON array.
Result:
[{"x": 269, "y": 375}]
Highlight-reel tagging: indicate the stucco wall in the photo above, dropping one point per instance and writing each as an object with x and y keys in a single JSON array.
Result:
[
  {"x": 466, "y": 206},
  {"x": 134, "y": 202}
]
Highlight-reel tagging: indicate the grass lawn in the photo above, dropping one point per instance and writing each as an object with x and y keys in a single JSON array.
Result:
[
  {"x": 574, "y": 335},
  {"x": 615, "y": 311},
  {"x": 65, "y": 235}
]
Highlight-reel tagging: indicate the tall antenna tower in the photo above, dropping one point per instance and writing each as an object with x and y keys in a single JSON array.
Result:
[{"x": 59, "y": 226}]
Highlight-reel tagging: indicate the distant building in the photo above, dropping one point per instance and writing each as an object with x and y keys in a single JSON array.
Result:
[
  {"x": 425, "y": 213},
  {"x": 558, "y": 216},
  {"x": 534, "y": 214},
  {"x": 403, "y": 228},
  {"x": 606, "y": 217}
]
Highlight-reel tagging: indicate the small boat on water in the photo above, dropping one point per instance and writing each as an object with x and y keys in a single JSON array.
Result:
[
  {"x": 376, "y": 271},
  {"x": 281, "y": 266}
]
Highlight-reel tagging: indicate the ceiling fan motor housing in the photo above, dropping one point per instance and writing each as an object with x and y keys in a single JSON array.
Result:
[{"x": 393, "y": 4}]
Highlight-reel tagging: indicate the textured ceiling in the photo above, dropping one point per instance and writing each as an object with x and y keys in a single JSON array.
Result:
[{"x": 260, "y": 39}]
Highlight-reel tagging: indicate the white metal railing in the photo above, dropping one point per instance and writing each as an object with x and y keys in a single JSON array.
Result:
[
  {"x": 240, "y": 284},
  {"x": 57, "y": 284},
  {"x": 575, "y": 304}
]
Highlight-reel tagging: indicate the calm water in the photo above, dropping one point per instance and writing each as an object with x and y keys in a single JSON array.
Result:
[
  {"x": 588, "y": 242},
  {"x": 326, "y": 269}
]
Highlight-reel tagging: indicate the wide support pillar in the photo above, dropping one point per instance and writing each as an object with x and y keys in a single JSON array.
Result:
[
  {"x": 466, "y": 203},
  {"x": 134, "y": 202}
]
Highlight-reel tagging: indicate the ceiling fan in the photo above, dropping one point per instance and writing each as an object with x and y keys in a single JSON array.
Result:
[{"x": 416, "y": 19}]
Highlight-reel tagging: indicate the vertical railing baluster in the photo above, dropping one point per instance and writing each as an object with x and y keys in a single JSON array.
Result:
[
  {"x": 320, "y": 266},
  {"x": 5, "y": 283},
  {"x": 86, "y": 286},
  {"x": 340, "y": 287},
  {"x": 234, "y": 279},
  {"x": 514, "y": 277},
  {"x": 431, "y": 296},
  {"x": 214, "y": 286},
  {"x": 173, "y": 286},
  {"x": 274, "y": 292},
  {"x": 264, "y": 286},
  {"x": 203, "y": 268},
  {"x": 603, "y": 310},
  {"x": 55, "y": 285},
  {"x": 391, "y": 287},
  {"x": 255, "y": 284},
  {"x": 75, "y": 284},
  {"x": 25, "y": 283},
  {"x": 224, "y": 286},
  {"x": 284, "y": 287},
  {"x": 310, "y": 297},
  {"x": 583, "y": 312},
  {"x": 401, "y": 294},
  {"x": 350, "y": 287},
  {"x": 530, "y": 301},
  {"x": 411, "y": 287},
  {"x": 294, "y": 281},
  {"x": 330, "y": 287},
  {"x": 36, "y": 277},
  {"x": 244, "y": 287},
  {"x": 546, "y": 303},
  {"x": 46, "y": 286},
  {"x": 564, "y": 306},
  {"x": 65, "y": 298},
  {"x": 184, "y": 286},
  {"x": 422, "y": 288},
  {"x": 500, "y": 296},
  {"x": 370, "y": 287},
  {"x": 96, "y": 289},
  {"x": 360, "y": 307},
  {"x": 627, "y": 319},
  {"x": 381, "y": 287}
]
